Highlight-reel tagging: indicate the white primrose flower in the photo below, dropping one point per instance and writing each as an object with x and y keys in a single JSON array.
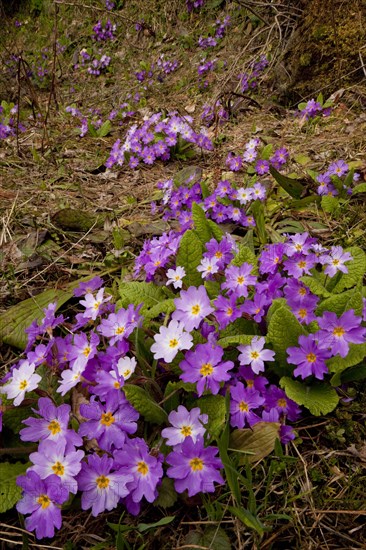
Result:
[{"x": 23, "y": 380}]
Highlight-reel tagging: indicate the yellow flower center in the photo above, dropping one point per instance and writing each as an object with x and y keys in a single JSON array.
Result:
[
  {"x": 298, "y": 247},
  {"x": 196, "y": 464},
  {"x": 196, "y": 309},
  {"x": 58, "y": 468},
  {"x": 120, "y": 330},
  {"x": 44, "y": 501},
  {"x": 206, "y": 369},
  {"x": 335, "y": 262},
  {"x": 302, "y": 291},
  {"x": 302, "y": 264},
  {"x": 173, "y": 343},
  {"x": 229, "y": 311},
  {"x": 126, "y": 373},
  {"x": 158, "y": 262},
  {"x": 117, "y": 385},
  {"x": 254, "y": 354},
  {"x": 250, "y": 383},
  {"x": 54, "y": 427},
  {"x": 142, "y": 468},
  {"x": 186, "y": 431},
  {"x": 23, "y": 384},
  {"x": 96, "y": 305},
  {"x": 276, "y": 260},
  {"x": 338, "y": 331},
  {"x": 243, "y": 407},
  {"x": 177, "y": 277},
  {"x": 218, "y": 254},
  {"x": 240, "y": 280},
  {"x": 107, "y": 419},
  {"x": 282, "y": 403},
  {"x": 86, "y": 351},
  {"x": 302, "y": 313},
  {"x": 102, "y": 482},
  {"x": 311, "y": 357}
]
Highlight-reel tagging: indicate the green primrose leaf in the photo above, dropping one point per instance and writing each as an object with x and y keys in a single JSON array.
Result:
[
  {"x": 257, "y": 210},
  {"x": 167, "y": 495},
  {"x": 144, "y": 404},
  {"x": 248, "y": 519},
  {"x": 139, "y": 292},
  {"x": 315, "y": 286},
  {"x": 17, "y": 318},
  {"x": 166, "y": 306},
  {"x": 245, "y": 254},
  {"x": 351, "y": 299},
  {"x": 212, "y": 538},
  {"x": 319, "y": 398},
  {"x": 10, "y": 492},
  {"x": 356, "y": 270},
  {"x": 235, "y": 340},
  {"x": 201, "y": 225},
  {"x": 356, "y": 354},
  {"x": 214, "y": 407},
  {"x": 283, "y": 332},
  {"x": 292, "y": 186},
  {"x": 189, "y": 256},
  {"x": 143, "y": 527}
]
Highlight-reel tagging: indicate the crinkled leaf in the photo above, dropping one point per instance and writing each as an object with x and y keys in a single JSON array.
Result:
[
  {"x": 214, "y": 407},
  {"x": 351, "y": 299},
  {"x": 284, "y": 331},
  {"x": 105, "y": 128},
  {"x": 10, "y": 492},
  {"x": 356, "y": 354},
  {"x": 189, "y": 256},
  {"x": 319, "y": 397},
  {"x": 201, "y": 225},
  {"x": 360, "y": 188},
  {"x": 144, "y": 404},
  {"x": 257, "y": 210},
  {"x": 188, "y": 176},
  {"x": 315, "y": 286},
  {"x": 256, "y": 442},
  {"x": 139, "y": 292},
  {"x": 212, "y": 538},
  {"x": 239, "y": 326},
  {"x": 276, "y": 304},
  {"x": 292, "y": 186},
  {"x": 356, "y": 270},
  {"x": 16, "y": 319},
  {"x": 245, "y": 254},
  {"x": 167, "y": 495},
  {"x": 236, "y": 339},
  {"x": 166, "y": 306},
  {"x": 217, "y": 233},
  {"x": 329, "y": 204}
]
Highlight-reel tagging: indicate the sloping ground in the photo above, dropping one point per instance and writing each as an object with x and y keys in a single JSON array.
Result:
[{"x": 64, "y": 215}]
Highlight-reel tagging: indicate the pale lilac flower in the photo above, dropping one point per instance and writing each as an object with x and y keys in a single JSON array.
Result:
[
  {"x": 170, "y": 340},
  {"x": 192, "y": 307},
  {"x": 243, "y": 403},
  {"x": 254, "y": 354},
  {"x": 175, "y": 276},
  {"x": 53, "y": 458},
  {"x": 93, "y": 304},
  {"x": 208, "y": 266},
  {"x": 194, "y": 467},
  {"x": 185, "y": 424},
  {"x": 41, "y": 499},
  {"x": 338, "y": 332},
  {"x": 238, "y": 279},
  {"x": 309, "y": 357},
  {"x": 335, "y": 261},
  {"x": 23, "y": 380},
  {"x": 101, "y": 487}
]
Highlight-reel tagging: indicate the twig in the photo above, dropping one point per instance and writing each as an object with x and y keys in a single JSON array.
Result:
[{"x": 95, "y": 8}]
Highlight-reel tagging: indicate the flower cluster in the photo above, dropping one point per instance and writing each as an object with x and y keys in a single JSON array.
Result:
[
  {"x": 235, "y": 162},
  {"x": 155, "y": 139},
  {"x": 212, "y": 113},
  {"x": 218, "y": 33},
  {"x": 94, "y": 121},
  {"x": 95, "y": 64},
  {"x": 158, "y": 71},
  {"x": 8, "y": 112},
  {"x": 248, "y": 80},
  {"x": 312, "y": 109},
  {"x": 194, "y": 4},
  {"x": 337, "y": 180},
  {"x": 104, "y": 33}
]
